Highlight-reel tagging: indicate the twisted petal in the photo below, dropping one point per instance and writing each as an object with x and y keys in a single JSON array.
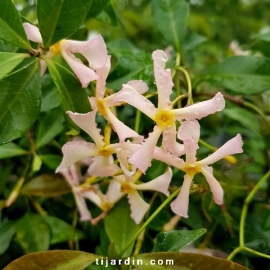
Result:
[
  {"x": 93, "y": 197},
  {"x": 129, "y": 95},
  {"x": 87, "y": 122},
  {"x": 84, "y": 73},
  {"x": 83, "y": 209},
  {"x": 142, "y": 157},
  {"x": 102, "y": 73},
  {"x": 163, "y": 79},
  {"x": 70, "y": 175},
  {"x": 93, "y": 50},
  {"x": 191, "y": 147},
  {"x": 138, "y": 206},
  {"x": 169, "y": 142},
  {"x": 188, "y": 130},
  {"x": 160, "y": 183},
  {"x": 215, "y": 186},
  {"x": 201, "y": 109},
  {"x": 114, "y": 192},
  {"x": 75, "y": 151},
  {"x": 103, "y": 166},
  {"x": 139, "y": 85},
  {"x": 180, "y": 204},
  {"x": 122, "y": 157},
  {"x": 233, "y": 146},
  {"x": 32, "y": 32}
]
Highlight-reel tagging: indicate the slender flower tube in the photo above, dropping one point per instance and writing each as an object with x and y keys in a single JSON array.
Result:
[{"x": 93, "y": 50}]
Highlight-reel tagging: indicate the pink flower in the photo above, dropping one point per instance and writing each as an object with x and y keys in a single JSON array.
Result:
[
  {"x": 93, "y": 50},
  {"x": 164, "y": 115},
  {"x": 189, "y": 133}
]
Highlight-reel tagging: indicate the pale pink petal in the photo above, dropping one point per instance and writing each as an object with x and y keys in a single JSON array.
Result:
[
  {"x": 233, "y": 146},
  {"x": 32, "y": 32},
  {"x": 139, "y": 85},
  {"x": 120, "y": 128},
  {"x": 87, "y": 122},
  {"x": 169, "y": 142},
  {"x": 114, "y": 192},
  {"x": 141, "y": 158},
  {"x": 215, "y": 186},
  {"x": 201, "y": 109},
  {"x": 75, "y": 151},
  {"x": 93, "y": 103},
  {"x": 82, "y": 207},
  {"x": 66, "y": 173},
  {"x": 191, "y": 147},
  {"x": 180, "y": 204},
  {"x": 122, "y": 157},
  {"x": 188, "y": 130},
  {"x": 166, "y": 157},
  {"x": 84, "y": 73},
  {"x": 103, "y": 166},
  {"x": 93, "y": 197},
  {"x": 138, "y": 206},
  {"x": 43, "y": 67},
  {"x": 160, "y": 183},
  {"x": 132, "y": 97},
  {"x": 163, "y": 79},
  {"x": 93, "y": 50},
  {"x": 102, "y": 73}
]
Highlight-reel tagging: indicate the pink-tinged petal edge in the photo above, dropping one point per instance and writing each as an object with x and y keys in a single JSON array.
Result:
[
  {"x": 180, "y": 205},
  {"x": 32, "y": 33},
  {"x": 83, "y": 209},
  {"x": 102, "y": 73}
]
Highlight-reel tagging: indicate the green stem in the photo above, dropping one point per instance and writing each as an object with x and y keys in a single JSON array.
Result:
[
  {"x": 149, "y": 220},
  {"x": 256, "y": 252},
  {"x": 233, "y": 253},
  {"x": 137, "y": 120},
  {"x": 190, "y": 100}
]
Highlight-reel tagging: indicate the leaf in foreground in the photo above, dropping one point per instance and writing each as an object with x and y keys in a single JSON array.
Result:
[{"x": 53, "y": 259}]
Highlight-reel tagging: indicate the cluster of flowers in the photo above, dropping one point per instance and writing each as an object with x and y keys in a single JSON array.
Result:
[{"x": 133, "y": 152}]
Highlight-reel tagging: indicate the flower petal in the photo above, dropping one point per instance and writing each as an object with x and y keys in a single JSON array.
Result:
[
  {"x": 84, "y": 73},
  {"x": 102, "y": 73},
  {"x": 122, "y": 157},
  {"x": 103, "y": 166},
  {"x": 87, "y": 122},
  {"x": 139, "y": 85},
  {"x": 215, "y": 186},
  {"x": 114, "y": 192},
  {"x": 82, "y": 207},
  {"x": 43, "y": 67},
  {"x": 75, "y": 151},
  {"x": 129, "y": 95},
  {"x": 180, "y": 204},
  {"x": 188, "y": 130},
  {"x": 163, "y": 79},
  {"x": 233, "y": 146},
  {"x": 160, "y": 183},
  {"x": 93, "y": 197},
  {"x": 32, "y": 33},
  {"x": 138, "y": 206},
  {"x": 201, "y": 109},
  {"x": 169, "y": 142},
  {"x": 142, "y": 157}
]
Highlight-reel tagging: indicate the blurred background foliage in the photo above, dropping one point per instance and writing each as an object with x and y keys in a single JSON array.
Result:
[{"x": 131, "y": 35}]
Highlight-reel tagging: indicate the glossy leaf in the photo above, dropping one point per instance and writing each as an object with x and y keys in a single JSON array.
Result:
[
  {"x": 52, "y": 161},
  {"x": 182, "y": 261},
  {"x": 96, "y": 7},
  {"x": 7, "y": 231},
  {"x": 120, "y": 232},
  {"x": 73, "y": 96},
  {"x": 9, "y": 61},
  {"x": 175, "y": 240},
  {"x": 60, "y": 19},
  {"x": 107, "y": 15},
  {"x": 20, "y": 92},
  {"x": 48, "y": 185},
  {"x": 62, "y": 231},
  {"x": 241, "y": 74},
  {"x": 11, "y": 150},
  {"x": 53, "y": 259},
  {"x": 33, "y": 233},
  {"x": 11, "y": 26},
  {"x": 170, "y": 17}
]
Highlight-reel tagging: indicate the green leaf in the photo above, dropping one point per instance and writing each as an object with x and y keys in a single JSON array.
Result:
[
  {"x": 264, "y": 37},
  {"x": 120, "y": 232},
  {"x": 52, "y": 161},
  {"x": 49, "y": 127},
  {"x": 175, "y": 240},
  {"x": 7, "y": 231},
  {"x": 96, "y": 7},
  {"x": 9, "y": 61},
  {"x": 60, "y": 19},
  {"x": 73, "y": 96},
  {"x": 241, "y": 74},
  {"x": 11, "y": 150},
  {"x": 107, "y": 15},
  {"x": 170, "y": 18},
  {"x": 181, "y": 261},
  {"x": 11, "y": 27},
  {"x": 54, "y": 259},
  {"x": 62, "y": 231},
  {"x": 47, "y": 185},
  {"x": 33, "y": 233},
  {"x": 20, "y": 101}
]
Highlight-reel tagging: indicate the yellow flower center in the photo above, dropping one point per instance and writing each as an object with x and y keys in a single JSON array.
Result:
[
  {"x": 164, "y": 118},
  {"x": 125, "y": 187},
  {"x": 192, "y": 170},
  {"x": 56, "y": 48},
  {"x": 105, "y": 152},
  {"x": 101, "y": 107},
  {"x": 106, "y": 206}
]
